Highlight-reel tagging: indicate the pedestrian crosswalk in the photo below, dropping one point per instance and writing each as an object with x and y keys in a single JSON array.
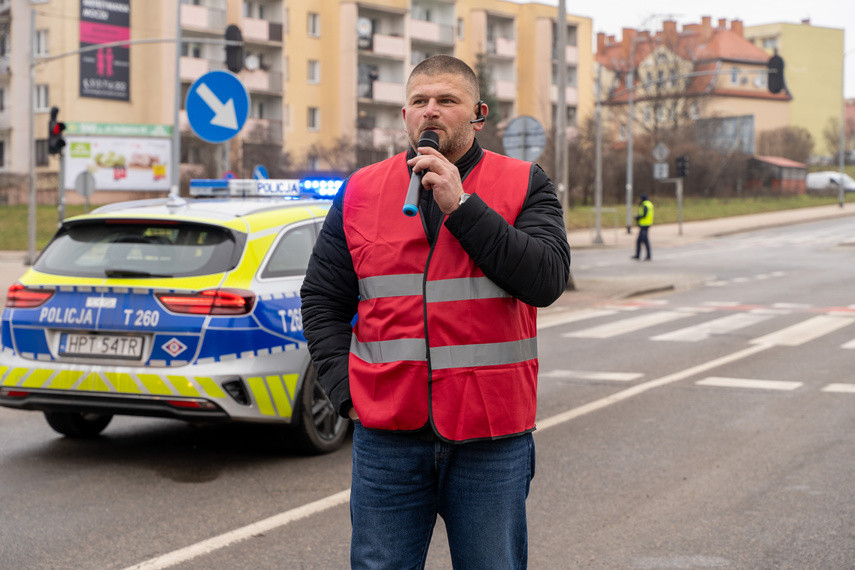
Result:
[{"x": 784, "y": 324}]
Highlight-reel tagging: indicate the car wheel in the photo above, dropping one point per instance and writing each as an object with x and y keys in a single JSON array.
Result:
[
  {"x": 318, "y": 428},
  {"x": 77, "y": 425}
]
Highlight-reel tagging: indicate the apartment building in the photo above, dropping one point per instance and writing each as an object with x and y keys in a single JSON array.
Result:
[
  {"x": 349, "y": 62},
  {"x": 813, "y": 60},
  {"x": 702, "y": 71},
  {"x": 316, "y": 72}
]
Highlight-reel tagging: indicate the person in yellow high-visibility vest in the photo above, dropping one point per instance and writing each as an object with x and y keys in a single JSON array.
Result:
[{"x": 644, "y": 219}]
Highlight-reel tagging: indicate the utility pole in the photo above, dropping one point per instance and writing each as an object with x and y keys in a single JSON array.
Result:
[
  {"x": 176, "y": 127},
  {"x": 630, "y": 79},
  {"x": 560, "y": 105},
  {"x": 598, "y": 185},
  {"x": 31, "y": 210}
]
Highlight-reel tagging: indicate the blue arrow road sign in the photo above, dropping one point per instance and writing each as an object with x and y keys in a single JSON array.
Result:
[
  {"x": 260, "y": 173},
  {"x": 217, "y": 106}
]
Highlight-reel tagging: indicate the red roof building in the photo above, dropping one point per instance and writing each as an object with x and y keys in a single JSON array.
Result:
[{"x": 701, "y": 71}]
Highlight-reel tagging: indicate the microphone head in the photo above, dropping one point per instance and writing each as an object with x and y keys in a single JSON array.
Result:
[{"x": 429, "y": 138}]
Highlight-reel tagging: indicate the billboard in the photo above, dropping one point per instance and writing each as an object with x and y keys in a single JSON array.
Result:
[
  {"x": 120, "y": 163},
  {"x": 105, "y": 73}
]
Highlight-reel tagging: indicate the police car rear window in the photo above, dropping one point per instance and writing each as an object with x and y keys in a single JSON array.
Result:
[{"x": 140, "y": 249}]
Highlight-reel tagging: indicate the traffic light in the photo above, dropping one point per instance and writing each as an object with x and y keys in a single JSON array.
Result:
[
  {"x": 55, "y": 140},
  {"x": 682, "y": 166},
  {"x": 775, "y": 65},
  {"x": 234, "y": 53}
]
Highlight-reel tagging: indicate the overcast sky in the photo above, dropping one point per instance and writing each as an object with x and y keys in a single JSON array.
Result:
[{"x": 610, "y": 16}]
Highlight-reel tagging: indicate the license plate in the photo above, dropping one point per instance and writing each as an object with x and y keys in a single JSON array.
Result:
[{"x": 101, "y": 345}]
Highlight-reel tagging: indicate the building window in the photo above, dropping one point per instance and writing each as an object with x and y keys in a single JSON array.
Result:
[
  {"x": 734, "y": 75},
  {"x": 770, "y": 43},
  {"x": 572, "y": 35},
  {"x": 693, "y": 110},
  {"x": 191, "y": 50},
  {"x": 571, "y": 75},
  {"x": 42, "y": 102},
  {"x": 2, "y": 154},
  {"x": 286, "y": 116},
  {"x": 459, "y": 28},
  {"x": 2, "y": 99},
  {"x": 285, "y": 68},
  {"x": 40, "y": 43},
  {"x": 286, "y": 20},
  {"x": 247, "y": 9},
  {"x": 42, "y": 152},
  {"x": 314, "y": 71},
  {"x": 314, "y": 25},
  {"x": 314, "y": 122}
]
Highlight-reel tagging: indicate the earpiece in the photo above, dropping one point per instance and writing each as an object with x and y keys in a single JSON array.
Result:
[{"x": 480, "y": 116}]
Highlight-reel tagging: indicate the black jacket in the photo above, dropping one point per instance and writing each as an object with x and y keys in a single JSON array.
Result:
[{"x": 530, "y": 260}]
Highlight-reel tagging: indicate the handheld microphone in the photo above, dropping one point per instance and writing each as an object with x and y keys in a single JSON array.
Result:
[{"x": 414, "y": 192}]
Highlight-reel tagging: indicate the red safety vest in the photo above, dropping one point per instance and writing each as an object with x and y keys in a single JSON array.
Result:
[{"x": 436, "y": 339}]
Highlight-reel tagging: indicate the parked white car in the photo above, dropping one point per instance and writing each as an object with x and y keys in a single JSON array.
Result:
[{"x": 828, "y": 180}]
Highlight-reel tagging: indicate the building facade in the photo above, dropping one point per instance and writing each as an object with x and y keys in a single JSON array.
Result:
[
  {"x": 702, "y": 71},
  {"x": 319, "y": 74},
  {"x": 813, "y": 72}
]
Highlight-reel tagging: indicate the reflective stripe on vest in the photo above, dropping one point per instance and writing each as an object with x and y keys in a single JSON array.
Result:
[
  {"x": 444, "y": 357},
  {"x": 461, "y": 289}
]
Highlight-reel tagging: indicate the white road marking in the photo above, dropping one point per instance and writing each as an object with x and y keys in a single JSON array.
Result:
[
  {"x": 589, "y": 375},
  {"x": 791, "y": 306},
  {"x": 748, "y": 383},
  {"x": 237, "y": 535},
  {"x": 555, "y": 319},
  {"x": 840, "y": 388},
  {"x": 804, "y": 331},
  {"x": 703, "y": 331},
  {"x": 628, "y": 325},
  {"x": 585, "y": 409},
  {"x": 850, "y": 344},
  {"x": 721, "y": 303}
]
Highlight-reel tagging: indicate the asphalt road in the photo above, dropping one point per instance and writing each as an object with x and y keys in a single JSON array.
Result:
[{"x": 708, "y": 426}]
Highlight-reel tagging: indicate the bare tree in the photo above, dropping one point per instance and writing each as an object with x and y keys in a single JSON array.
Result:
[
  {"x": 795, "y": 143},
  {"x": 831, "y": 134},
  {"x": 489, "y": 137}
]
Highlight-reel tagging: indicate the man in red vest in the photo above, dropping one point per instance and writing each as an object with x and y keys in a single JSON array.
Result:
[{"x": 439, "y": 371}]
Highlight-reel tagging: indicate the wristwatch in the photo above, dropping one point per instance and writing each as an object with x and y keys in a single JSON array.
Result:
[{"x": 463, "y": 198}]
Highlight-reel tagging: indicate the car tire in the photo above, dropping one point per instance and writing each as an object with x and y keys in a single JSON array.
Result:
[
  {"x": 317, "y": 427},
  {"x": 78, "y": 425}
]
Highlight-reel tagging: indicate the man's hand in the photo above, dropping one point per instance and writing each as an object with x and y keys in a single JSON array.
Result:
[
  {"x": 351, "y": 413},
  {"x": 441, "y": 176}
]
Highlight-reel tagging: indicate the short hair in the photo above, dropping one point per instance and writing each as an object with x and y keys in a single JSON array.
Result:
[{"x": 446, "y": 64}]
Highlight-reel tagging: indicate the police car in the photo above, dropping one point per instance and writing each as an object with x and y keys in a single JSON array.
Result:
[{"x": 177, "y": 308}]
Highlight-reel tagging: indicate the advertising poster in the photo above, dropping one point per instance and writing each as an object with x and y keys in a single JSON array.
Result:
[
  {"x": 120, "y": 163},
  {"x": 105, "y": 73}
]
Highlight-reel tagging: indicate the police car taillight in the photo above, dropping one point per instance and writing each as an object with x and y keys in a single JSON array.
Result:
[
  {"x": 20, "y": 297},
  {"x": 210, "y": 302}
]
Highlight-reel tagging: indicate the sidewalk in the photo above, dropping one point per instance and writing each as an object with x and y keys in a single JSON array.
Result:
[{"x": 591, "y": 290}]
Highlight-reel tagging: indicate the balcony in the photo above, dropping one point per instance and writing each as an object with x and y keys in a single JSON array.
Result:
[
  {"x": 261, "y": 80},
  {"x": 192, "y": 68},
  {"x": 382, "y": 92},
  {"x": 571, "y": 95},
  {"x": 262, "y": 131},
  {"x": 203, "y": 18},
  {"x": 5, "y": 121},
  {"x": 391, "y": 46},
  {"x": 261, "y": 30},
  {"x": 505, "y": 90},
  {"x": 432, "y": 32},
  {"x": 502, "y": 47}
]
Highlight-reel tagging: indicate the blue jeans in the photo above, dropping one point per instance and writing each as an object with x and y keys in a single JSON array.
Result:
[{"x": 401, "y": 483}]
